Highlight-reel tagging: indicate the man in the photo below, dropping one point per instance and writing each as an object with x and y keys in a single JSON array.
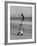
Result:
[{"x": 21, "y": 32}]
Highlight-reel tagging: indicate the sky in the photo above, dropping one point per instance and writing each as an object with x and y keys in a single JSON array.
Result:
[{"x": 16, "y": 11}]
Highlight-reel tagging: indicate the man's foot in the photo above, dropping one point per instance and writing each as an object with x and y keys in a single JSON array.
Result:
[
  {"x": 21, "y": 34},
  {"x": 18, "y": 33}
]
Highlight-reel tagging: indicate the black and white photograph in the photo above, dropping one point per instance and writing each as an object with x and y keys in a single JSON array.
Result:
[{"x": 20, "y": 20}]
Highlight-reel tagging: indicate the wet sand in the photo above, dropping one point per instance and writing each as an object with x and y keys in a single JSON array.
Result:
[{"x": 26, "y": 27}]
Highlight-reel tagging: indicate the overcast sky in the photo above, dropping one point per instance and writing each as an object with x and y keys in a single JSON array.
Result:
[{"x": 15, "y": 11}]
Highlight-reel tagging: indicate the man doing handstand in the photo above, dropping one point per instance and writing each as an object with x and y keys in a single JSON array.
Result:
[{"x": 21, "y": 32}]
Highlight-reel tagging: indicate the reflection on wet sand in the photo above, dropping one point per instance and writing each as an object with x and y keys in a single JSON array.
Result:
[{"x": 26, "y": 27}]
